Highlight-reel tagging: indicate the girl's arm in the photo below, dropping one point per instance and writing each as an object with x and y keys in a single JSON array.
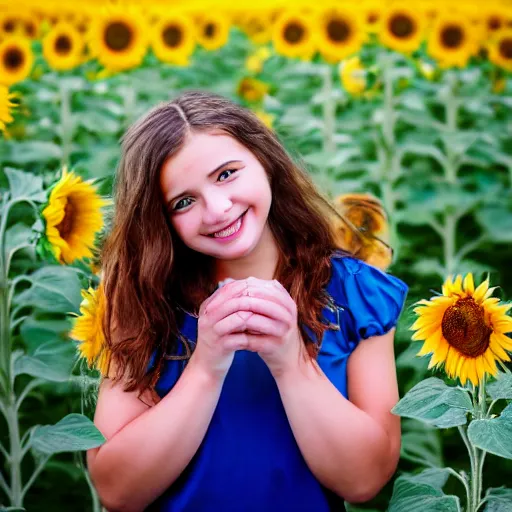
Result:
[
  {"x": 352, "y": 447},
  {"x": 148, "y": 447}
]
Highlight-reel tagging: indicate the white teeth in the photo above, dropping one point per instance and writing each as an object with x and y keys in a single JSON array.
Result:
[{"x": 229, "y": 231}]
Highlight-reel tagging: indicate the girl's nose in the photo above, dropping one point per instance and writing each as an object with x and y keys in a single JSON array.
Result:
[{"x": 216, "y": 208}]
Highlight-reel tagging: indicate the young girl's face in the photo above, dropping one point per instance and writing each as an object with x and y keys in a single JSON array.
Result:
[{"x": 209, "y": 186}]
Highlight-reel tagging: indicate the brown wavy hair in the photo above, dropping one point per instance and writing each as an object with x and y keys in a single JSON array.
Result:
[{"x": 150, "y": 276}]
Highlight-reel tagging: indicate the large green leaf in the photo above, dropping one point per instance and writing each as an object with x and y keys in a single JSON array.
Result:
[
  {"x": 25, "y": 152},
  {"x": 498, "y": 500},
  {"x": 52, "y": 361},
  {"x": 35, "y": 331},
  {"x": 435, "y": 403},
  {"x": 494, "y": 435},
  {"x": 73, "y": 433},
  {"x": 423, "y": 493},
  {"x": 18, "y": 237},
  {"x": 497, "y": 222},
  {"x": 501, "y": 387},
  {"x": 54, "y": 288},
  {"x": 25, "y": 184}
]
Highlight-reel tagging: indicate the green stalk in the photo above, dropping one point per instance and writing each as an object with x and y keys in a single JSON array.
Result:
[
  {"x": 449, "y": 234},
  {"x": 389, "y": 168},
  {"x": 329, "y": 112},
  {"x": 451, "y": 107},
  {"x": 65, "y": 124}
]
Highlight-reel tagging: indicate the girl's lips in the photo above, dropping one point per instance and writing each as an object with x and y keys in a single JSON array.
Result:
[
  {"x": 234, "y": 235},
  {"x": 232, "y": 224}
]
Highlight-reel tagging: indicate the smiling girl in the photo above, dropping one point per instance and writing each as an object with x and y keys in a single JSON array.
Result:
[{"x": 258, "y": 395}]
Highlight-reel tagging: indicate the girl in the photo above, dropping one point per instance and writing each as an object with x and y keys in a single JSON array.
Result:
[{"x": 253, "y": 396}]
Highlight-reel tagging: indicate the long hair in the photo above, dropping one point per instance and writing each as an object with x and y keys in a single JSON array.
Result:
[{"x": 151, "y": 277}]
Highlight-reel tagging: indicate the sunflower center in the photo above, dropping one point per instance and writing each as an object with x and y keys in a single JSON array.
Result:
[
  {"x": 9, "y": 25},
  {"x": 209, "y": 30},
  {"x": 506, "y": 48},
  {"x": 118, "y": 36},
  {"x": 373, "y": 17},
  {"x": 494, "y": 23},
  {"x": 66, "y": 225},
  {"x": 13, "y": 59},
  {"x": 452, "y": 36},
  {"x": 172, "y": 36},
  {"x": 63, "y": 45},
  {"x": 464, "y": 327},
  {"x": 338, "y": 31},
  {"x": 401, "y": 26},
  {"x": 30, "y": 29},
  {"x": 294, "y": 32}
]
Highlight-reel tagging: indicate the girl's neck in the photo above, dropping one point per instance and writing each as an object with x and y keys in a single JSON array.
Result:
[{"x": 260, "y": 263}]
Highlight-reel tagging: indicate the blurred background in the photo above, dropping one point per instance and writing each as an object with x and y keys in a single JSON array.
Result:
[{"x": 409, "y": 102}]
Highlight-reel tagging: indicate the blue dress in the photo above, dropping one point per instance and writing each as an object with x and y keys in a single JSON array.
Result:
[{"x": 249, "y": 460}]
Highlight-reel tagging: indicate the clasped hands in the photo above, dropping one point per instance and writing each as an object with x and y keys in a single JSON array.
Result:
[{"x": 256, "y": 315}]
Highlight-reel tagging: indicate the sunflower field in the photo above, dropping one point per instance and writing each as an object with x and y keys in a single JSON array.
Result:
[{"x": 405, "y": 106}]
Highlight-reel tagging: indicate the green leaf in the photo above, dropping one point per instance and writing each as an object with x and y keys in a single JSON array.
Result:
[
  {"x": 435, "y": 403},
  {"x": 52, "y": 361},
  {"x": 54, "y": 288},
  {"x": 26, "y": 152},
  {"x": 18, "y": 237},
  {"x": 25, "y": 184},
  {"x": 497, "y": 222},
  {"x": 494, "y": 435},
  {"x": 423, "y": 493},
  {"x": 73, "y": 433},
  {"x": 36, "y": 332},
  {"x": 421, "y": 441},
  {"x": 501, "y": 387},
  {"x": 498, "y": 500}
]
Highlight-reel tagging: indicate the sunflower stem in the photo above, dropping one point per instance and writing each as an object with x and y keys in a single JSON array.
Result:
[
  {"x": 390, "y": 165},
  {"x": 65, "y": 123},
  {"x": 449, "y": 234},
  {"x": 469, "y": 446},
  {"x": 329, "y": 111},
  {"x": 451, "y": 107}
]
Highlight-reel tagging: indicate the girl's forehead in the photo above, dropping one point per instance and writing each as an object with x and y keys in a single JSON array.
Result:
[{"x": 199, "y": 155}]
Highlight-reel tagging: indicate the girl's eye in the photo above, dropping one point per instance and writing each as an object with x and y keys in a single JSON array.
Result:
[
  {"x": 176, "y": 206},
  {"x": 227, "y": 170}
]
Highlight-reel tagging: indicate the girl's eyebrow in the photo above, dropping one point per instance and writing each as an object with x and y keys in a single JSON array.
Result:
[{"x": 210, "y": 174}]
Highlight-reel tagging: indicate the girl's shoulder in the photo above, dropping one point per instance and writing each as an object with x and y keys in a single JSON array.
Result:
[{"x": 372, "y": 299}]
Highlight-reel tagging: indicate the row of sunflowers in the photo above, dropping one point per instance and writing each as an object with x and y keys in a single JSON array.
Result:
[
  {"x": 424, "y": 111},
  {"x": 119, "y": 36}
]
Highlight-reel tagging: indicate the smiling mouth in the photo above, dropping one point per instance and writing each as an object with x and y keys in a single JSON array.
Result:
[{"x": 212, "y": 235}]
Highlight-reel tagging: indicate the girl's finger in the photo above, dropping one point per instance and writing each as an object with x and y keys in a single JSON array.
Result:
[
  {"x": 274, "y": 294},
  {"x": 263, "y": 325},
  {"x": 234, "y": 323},
  {"x": 221, "y": 294},
  {"x": 250, "y": 304}
]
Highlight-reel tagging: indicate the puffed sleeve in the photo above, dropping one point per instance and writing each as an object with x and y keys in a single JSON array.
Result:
[{"x": 374, "y": 299}]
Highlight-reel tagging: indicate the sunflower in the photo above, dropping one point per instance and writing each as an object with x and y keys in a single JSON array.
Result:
[
  {"x": 251, "y": 89},
  {"x": 174, "y": 39},
  {"x": 464, "y": 328},
  {"x": 16, "y": 59},
  {"x": 257, "y": 26},
  {"x": 254, "y": 62},
  {"x": 266, "y": 118},
  {"x": 73, "y": 217},
  {"x": 402, "y": 28},
  {"x": 364, "y": 228},
  {"x": 352, "y": 75},
  {"x": 340, "y": 33},
  {"x": 5, "y": 107},
  {"x": 500, "y": 49},
  {"x": 371, "y": 13},
  {"x": 213, "y": 32},
  {"x": 293, "y": 35},
  {"x": 88, "y": 329},
  {"x": 450, "y": 40},
  {"x": 119, "y": 38},
  {"x": 63, "y": 47}
]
